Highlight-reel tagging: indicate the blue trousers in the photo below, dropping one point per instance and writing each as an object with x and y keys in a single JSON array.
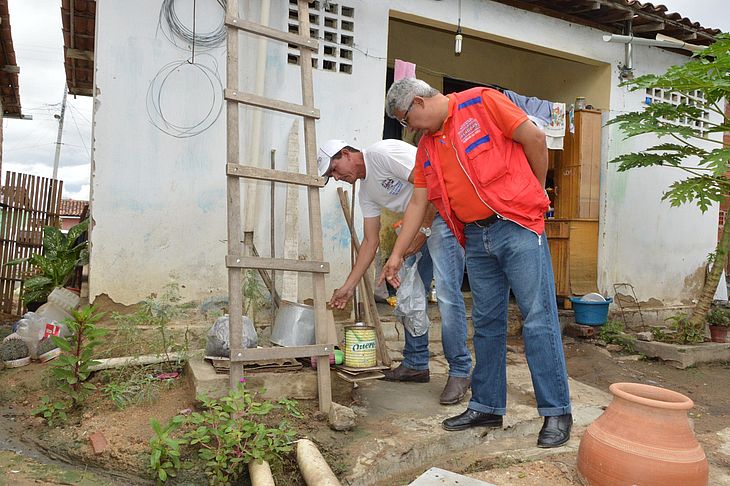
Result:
[
  {"x": 501, "y": 256},
  {"x": 442, "y": 258}
]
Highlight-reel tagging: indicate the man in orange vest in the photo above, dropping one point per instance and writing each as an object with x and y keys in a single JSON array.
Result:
[{"x": 483, "y": 164}]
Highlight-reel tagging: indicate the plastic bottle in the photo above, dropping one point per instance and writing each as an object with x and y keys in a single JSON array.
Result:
[
  {"x": 58, "y": 308},
  {"x": 30, "y": 329}
]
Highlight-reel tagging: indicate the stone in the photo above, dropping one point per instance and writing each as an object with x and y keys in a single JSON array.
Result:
[
  {"x": 683, "y": 356},
  {"x": 614, "y": 348},
  {"x": 98, "y": 442},
  {"x": 341, "y": 417},
  {"x": 644, "y": 336}
]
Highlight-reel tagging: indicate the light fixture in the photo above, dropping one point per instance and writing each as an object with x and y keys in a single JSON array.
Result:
[{"x": 459, "y": 38}]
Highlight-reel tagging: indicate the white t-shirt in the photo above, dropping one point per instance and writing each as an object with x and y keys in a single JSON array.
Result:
[{"x": 388, "y": 164}]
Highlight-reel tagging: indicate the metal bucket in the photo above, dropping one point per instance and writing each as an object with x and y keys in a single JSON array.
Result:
[
  {"x": 294, "y": 325},
  {"x": 360, "y": 346}
]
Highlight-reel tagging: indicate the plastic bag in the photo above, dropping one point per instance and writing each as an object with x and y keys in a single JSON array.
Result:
[
  {"x": 219, "y": 343},
  {"x": 33, "y": 327},
  {"x": 411, "y": 300}
]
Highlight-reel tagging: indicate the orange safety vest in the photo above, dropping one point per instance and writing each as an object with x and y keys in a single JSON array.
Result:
[{"x": 495, "y": 165}]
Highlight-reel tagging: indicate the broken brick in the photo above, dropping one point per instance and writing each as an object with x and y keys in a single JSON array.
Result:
[{"x": 98, "y": 442}]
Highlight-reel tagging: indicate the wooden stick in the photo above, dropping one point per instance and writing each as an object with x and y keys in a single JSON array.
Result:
[
  {"x": 367, "y": 283},
  {"x": 357, "y": 291},
  {"x": 272, "y": 250}
]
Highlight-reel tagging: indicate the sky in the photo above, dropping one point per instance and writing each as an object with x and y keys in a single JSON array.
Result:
[{"x": 29, "y": 145}]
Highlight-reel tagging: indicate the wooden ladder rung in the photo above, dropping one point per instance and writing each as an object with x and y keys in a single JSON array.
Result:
[
  {"x": 269, "y": 104},
  {"x": 258, "y": 263},
  {"x": 263, "y": 174},
  {"x": 275, "y": 34},
  {"x": 259, "y": 354}
]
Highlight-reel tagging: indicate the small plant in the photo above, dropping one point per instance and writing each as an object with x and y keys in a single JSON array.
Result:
[
  {"x": 253, "y": 294},
  {"x": 228, "y": 434},
  {"x": 54, "y": 413},
  {"x": 133, "y": 385},
  {"x": 13, "y": 349},
  {"x": 55, "y": 266},
  {"x": 613, "y": 333},
  {"x": 71, "y": 369},
  {"x": 658, "y": 334},
  {"x": 719, "y": 316},
  {"x": 165, "y": 450},
  {"x": 685, "y": 331},
  {"x": 156, "y": 312}
]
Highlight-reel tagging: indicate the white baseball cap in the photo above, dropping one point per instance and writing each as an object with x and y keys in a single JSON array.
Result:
[{"x": 326, "y": 152}]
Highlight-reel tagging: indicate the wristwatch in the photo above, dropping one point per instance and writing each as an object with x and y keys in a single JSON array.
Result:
[{"x": 425, "y": 231}]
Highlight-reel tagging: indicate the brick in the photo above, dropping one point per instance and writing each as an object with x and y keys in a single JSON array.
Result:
[
  {"x": 579, "y": 330},
  {"x": 98, "y": 442}
]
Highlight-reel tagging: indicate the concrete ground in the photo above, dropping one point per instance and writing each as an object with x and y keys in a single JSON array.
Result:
[{"x": 399, "y": 434}]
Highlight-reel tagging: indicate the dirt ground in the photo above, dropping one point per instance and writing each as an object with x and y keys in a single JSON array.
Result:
[{"x": 128, "y": 430}]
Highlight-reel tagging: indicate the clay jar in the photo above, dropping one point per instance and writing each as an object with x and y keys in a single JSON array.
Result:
[{"x": 643, "y": 438}]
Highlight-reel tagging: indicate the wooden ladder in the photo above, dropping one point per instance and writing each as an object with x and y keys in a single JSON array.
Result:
[{"x": 240, "y": 256}]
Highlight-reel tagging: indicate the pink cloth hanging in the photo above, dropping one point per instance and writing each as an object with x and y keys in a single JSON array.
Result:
[{"x": 404, "y": 69}]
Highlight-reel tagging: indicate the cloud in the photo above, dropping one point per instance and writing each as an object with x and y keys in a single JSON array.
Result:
[
  {"x": 75, "y": 178},
  {"x": 29, "y": 145}
]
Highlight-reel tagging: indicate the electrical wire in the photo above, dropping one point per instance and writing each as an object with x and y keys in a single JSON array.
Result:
[
  {"x": 78, "y": 130},
  {"x": 157, "y": 86},
  {"x": 177, "y": 29}
]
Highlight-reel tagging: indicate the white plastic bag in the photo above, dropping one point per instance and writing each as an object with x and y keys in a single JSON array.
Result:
[
  {"x": 411, "y": 303},
  {"x": 219, "y": 343}
]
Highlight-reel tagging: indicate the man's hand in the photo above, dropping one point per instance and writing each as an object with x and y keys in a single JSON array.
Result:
[
  {"x": 416, "y": 244},
  {"x": 340, "y": 297},
  {"x": 390, "y": 271}
]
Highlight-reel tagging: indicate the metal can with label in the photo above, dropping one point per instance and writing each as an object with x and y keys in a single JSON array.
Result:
[{"x": 360, "y": 346}]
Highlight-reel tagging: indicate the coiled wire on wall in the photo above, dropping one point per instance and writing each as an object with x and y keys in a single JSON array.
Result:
[
  {"x": 156, "y": 88},
  {"x": 168, "y": 16}
]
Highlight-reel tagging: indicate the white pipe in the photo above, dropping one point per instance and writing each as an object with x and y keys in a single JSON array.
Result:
[
  {"x": 314, "y": 468},
  {"x": 663, "y": 42},
  {"x": 260, "y": 473}
]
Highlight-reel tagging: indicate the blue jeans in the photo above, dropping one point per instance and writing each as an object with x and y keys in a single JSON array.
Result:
[
  {"x": 498, "y": 257},
  {"x": 443, "y": 258}
]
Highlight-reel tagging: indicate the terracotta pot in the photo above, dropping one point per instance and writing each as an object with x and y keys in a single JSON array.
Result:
[
  {"x": 718, "y": 334},
  {"x": 643, "y": 438}
]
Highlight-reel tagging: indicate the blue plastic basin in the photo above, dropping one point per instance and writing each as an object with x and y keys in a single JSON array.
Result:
[{"x": 590, "y": 313}]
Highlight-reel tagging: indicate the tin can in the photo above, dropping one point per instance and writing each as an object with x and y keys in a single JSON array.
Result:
[{"x": 360, "y": 346}]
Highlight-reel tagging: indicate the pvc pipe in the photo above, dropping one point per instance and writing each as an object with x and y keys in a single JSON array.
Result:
[
  {"x": 674, "y": 43},
  {"x": 314, "y": 468},
  {"x": 260, "y": 473}
]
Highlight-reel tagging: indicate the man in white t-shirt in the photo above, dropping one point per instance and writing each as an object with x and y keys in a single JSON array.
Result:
[{"x": 385, "y": 170}]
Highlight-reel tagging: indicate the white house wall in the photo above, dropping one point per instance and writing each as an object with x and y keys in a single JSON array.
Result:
[{"x": 159, "y": 202}]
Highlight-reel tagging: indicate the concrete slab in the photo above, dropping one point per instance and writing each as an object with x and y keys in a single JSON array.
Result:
[
  {"x": 399, "y": 431},
  {"x": 683, "y": 356},
  {"x": 299, "y": 385},
  {"x": 440, "y": 477}
]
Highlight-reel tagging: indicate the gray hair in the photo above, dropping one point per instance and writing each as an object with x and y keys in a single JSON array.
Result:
[{"x": 402, "y": 92}]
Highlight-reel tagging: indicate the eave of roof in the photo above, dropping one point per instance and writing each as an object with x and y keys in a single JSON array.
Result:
[
  {"x": 647, "y": 20},
  {"x": 79, "y": 19},
  {"x": 9, "y": 86}
]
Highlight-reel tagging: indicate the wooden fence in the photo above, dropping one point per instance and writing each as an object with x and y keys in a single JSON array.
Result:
[{"x": 28, "y": 204}]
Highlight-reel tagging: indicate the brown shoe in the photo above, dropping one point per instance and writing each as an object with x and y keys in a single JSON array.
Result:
[
  {"x": 454, "y": 390},
  {"x": 402, "y": 373}
]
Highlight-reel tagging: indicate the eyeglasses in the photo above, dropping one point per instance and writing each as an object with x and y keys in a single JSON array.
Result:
[{"x": 404, "y": 121}]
